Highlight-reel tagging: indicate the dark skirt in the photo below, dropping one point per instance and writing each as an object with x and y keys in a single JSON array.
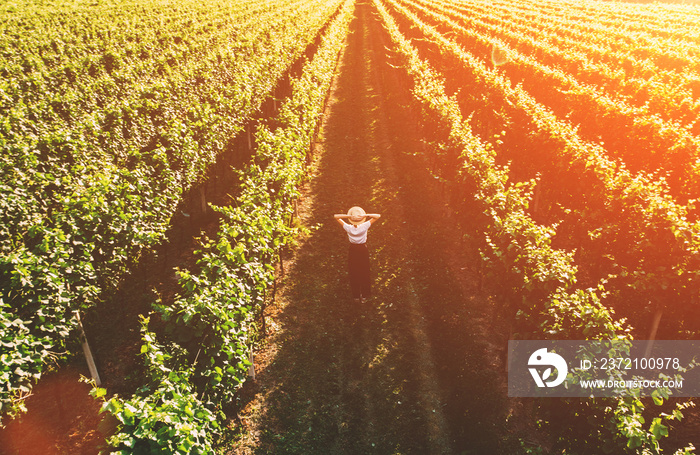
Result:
[{"x": 359, "y": 270}]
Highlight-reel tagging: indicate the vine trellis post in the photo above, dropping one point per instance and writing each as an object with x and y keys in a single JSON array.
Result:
[{"x": 88, "y": 353}]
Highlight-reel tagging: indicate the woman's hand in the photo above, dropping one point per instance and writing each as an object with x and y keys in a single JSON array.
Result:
[{"x": 373, "y": 217}]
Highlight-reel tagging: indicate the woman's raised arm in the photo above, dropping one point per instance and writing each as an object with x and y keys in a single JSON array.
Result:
[
  {"x": 339, "y": 217},
  {"x": 374, "y": 217}
]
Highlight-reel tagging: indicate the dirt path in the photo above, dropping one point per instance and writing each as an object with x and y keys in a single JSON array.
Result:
[{"x": 402, "y": 373}]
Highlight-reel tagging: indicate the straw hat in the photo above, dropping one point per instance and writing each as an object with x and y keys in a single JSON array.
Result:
[{"x": 357, "y": 215}]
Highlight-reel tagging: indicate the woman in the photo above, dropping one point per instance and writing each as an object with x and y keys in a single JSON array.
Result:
[{"x": 359, "y": 255}]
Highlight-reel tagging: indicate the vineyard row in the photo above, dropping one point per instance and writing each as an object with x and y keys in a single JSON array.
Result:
[
  {"x": 639, "y": 50},
  {"x": 536, "y": 280},
  {"x": 634, "y": 236},
  {"x": 210, "y": 329},
  {"x": 75, "y": 215},
  {"x": 649, "y": 143}
]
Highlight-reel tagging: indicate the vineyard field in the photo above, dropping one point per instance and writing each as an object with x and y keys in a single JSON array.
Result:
[{"x": 168, "y": 179}]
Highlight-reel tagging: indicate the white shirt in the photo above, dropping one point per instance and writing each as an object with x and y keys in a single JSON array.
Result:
[{"x": 357, "y": 234}]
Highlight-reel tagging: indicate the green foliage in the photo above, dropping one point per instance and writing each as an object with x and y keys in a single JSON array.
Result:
[
  {"x": 516, "y": 249},
  {"x": 657, "y": 136},
  {"x": 167, "y": 417},
  {"x": 632, "y": 426},
  {"x": 537, "y": 280},
  {"x": 210, "y": 327},
  {"x": 634, "y": 224},
  {"x": 579, "y": 314},
  {"x": 22, "y": 358},
  {"x": 109, "y": 116}
]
